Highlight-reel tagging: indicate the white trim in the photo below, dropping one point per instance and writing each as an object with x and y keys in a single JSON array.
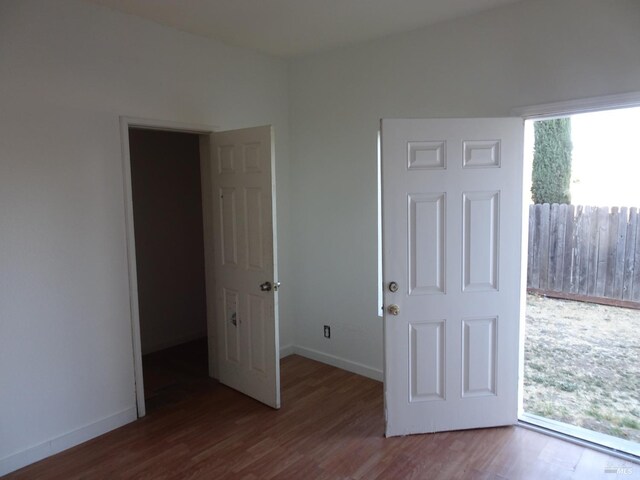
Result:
[
  {"x": 125, "y": 124},
  {"x": 286, "y": 351},
  {"x": 138, "y": 383},
  {"x": 51, "y": 447},
  {"x": 339, "y": 362},
  {"x": 580, "y": 105},
  {"x": 600, "y": 442},
  {"x": 168, "y": 125}
]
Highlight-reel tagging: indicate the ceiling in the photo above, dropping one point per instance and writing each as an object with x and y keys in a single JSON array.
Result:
[{"x": 289, "y": 28}]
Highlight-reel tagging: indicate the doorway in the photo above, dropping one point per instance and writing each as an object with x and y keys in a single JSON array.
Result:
[
  {"x": 240, "y": 256},
  {"x": 170, "y": 262},
  {"x": 414, "y": 152},
  {"x": 583, "y": 302}
]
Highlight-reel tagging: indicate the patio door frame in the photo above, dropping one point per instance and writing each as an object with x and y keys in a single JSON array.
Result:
[{"x": 546, "y": 112}]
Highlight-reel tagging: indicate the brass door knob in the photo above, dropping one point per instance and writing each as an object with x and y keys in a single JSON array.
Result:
[{"x": 393, "y": 309}]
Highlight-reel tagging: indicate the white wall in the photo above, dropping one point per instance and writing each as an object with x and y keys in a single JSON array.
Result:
[
  {"x": 67, "y": 72},
  {"x": 525, "y": 54}
]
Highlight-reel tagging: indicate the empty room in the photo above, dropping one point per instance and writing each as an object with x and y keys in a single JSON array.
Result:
[{"x": 335, "y": 262}]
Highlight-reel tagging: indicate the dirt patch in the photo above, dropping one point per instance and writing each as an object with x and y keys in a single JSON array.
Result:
[{"x": 582, "y": 365}]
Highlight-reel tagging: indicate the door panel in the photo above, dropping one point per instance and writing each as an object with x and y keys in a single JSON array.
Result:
[
  {"x": 480, "y": 241},
  {"x": 228, "y": 226},
  {"x": 243, "y": 237},
  {"x": 231, "y": 333},
  {"x": 426, "y": 243},
  {"x": 426, "y": 354},
  {"x": 254, "y": 215},
  {"x": 479, "y": 356},
  {"x": 452, "y": 232}
]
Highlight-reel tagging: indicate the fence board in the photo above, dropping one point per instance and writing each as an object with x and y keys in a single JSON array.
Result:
[
  {"x": 582, "y": 247},
  {"x": 592, "y": 273},
  {"x": 567, "y": 277},
  {"x": 585, "y": 252},
  {"x": 554, "y": 245},
  {"x": 543, "y": 253},
  {"x": 612, "y": 302},
  {"x": 611, "y": 253},
  {"x": 535, "y": 249},
  {"x": 620, "y": 246},
  {"x": 532, "y": 244},
  {"x": 636, "y": 268},
  {"x": 629, "y": 255},
  {"x": 602, "y": 251},
  {"x": 557, "y": 273}
]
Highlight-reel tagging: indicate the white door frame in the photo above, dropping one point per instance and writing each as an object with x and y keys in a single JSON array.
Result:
[
  {"x": 580, "y": 105},
  {"x": 125, "y": 124},
  {"x": 545, "y": 112}
]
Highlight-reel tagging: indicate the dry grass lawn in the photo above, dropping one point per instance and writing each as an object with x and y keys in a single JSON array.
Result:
[{"x": 582, "y": 365}]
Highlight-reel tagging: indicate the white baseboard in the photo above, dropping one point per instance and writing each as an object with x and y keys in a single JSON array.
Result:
[
  {"x": 350, "y": 366},
  {"x": 34, "y": 454},
  {"x": 286, "y": 351}
]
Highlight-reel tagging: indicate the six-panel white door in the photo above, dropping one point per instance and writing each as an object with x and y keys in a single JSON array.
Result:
[
  {"x": 452, "y": 239},
  {"x": 244, "y": 266}
]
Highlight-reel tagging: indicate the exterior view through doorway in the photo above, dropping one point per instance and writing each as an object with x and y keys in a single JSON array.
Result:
[
  {"x": 432, "y": 226},
  {"x": 582, "y": 360}
]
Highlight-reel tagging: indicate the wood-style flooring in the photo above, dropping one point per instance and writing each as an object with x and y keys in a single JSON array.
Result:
[{"x": 330, "y": 427}]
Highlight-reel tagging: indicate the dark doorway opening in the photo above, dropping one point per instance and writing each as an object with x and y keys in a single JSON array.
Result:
[{"x": 168, "y": 227}]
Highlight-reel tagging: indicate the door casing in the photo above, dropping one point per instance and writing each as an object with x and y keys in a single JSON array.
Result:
[
  {"x": 549, "y": 111},
  {"x": 203, "y": 131}
]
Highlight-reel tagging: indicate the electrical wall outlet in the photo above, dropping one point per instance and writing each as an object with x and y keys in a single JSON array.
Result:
[{"x": 327, "y": 331}]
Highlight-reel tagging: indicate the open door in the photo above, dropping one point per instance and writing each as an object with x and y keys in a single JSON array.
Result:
[
  {"x": 452, "y": 269},
  {"x": 244, "y": 270}
]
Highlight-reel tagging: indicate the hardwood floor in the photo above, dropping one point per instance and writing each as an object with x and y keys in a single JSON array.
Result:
[{"x": 330, "y": 427}]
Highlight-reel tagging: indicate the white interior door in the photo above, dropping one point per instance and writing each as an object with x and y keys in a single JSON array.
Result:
[
  {"x": 452, "y": 233},
  {"x": 244, "y": 265}
]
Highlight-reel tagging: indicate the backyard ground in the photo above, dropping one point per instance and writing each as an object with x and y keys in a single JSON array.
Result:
[{"x": 582, "y": 365}]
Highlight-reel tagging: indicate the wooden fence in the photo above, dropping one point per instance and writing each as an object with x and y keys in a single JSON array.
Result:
[{"x": 582, "y": 252}]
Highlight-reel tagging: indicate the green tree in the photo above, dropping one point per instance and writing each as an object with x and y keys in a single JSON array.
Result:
[{"x": 552, "y": 161}]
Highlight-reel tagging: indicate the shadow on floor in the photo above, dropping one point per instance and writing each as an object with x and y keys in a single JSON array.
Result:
[{"x": 176, "y": 373}]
